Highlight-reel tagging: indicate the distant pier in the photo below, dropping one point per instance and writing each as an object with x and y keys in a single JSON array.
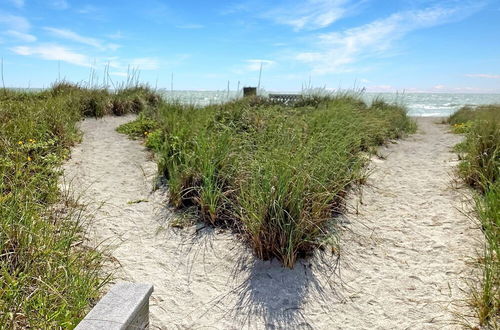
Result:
[
  {"x": 278, "y": 98},
  {"x": 285, "y": 98}
]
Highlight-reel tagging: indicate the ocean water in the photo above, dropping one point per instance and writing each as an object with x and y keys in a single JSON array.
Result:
[
  {"x": 418, "y": 104},
  {"x": 437, "y": 104}
]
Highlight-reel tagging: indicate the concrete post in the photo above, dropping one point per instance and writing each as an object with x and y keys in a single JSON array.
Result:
[{"x": 125, "y": 306}]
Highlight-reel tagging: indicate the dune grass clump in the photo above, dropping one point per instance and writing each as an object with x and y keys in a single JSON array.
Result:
[
  {"x": 480, "y": 168},
  {"x": 276, "y": 174},
  {"x": 48, "y": 279}
]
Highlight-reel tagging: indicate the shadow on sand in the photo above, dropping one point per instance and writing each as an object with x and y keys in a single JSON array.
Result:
[
  {"x": 276, "y": 295},
  {"x": 264, "y": 294}
]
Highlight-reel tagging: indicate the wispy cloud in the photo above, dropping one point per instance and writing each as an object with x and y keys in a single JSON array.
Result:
[
  {"x": 26, "y": 37},
  {"x": 299, "y": 14},
  {"x": 16, "y": 23},
  {"x": 310, "y": 14},
  {"x": 73, "y": 36},
  {"x": 336, "y": 50},
  {"x": 483, "y": 75},
  {"x": 53, "y": 52},
  {"x": 17, "y": 3},
  {"x": 16, "y": 27}
]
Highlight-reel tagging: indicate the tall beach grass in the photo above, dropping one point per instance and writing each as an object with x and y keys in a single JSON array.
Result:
[
  {"x": 48, "y": 277},
  {"x": 480, "y": 168}
]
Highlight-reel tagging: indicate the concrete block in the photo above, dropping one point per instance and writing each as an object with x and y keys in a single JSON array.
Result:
[{"x": 125, "y": 306}]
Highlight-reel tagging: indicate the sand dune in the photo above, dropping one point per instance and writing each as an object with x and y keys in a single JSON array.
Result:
[{"x": 405, "y": 249}]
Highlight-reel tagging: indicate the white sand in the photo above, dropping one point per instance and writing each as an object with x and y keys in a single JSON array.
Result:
[{"x": 404, "y": 256}]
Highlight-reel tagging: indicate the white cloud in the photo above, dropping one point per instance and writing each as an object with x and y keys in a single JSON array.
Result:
[
  {"x": 483, "y": 75},
  {"x": 16, "y": 27},
  {"x": 17, "y": 3},
  {"x": 299, "y": 14},
  {"x": 336, "y": 50},
  {"x": 17, "y": 23},
  {"x": 73, "y": 36},
  {"x": 54, "y": 53},
  {"x": 309, "y": 15},
  {"x": 26, "y": 37}
]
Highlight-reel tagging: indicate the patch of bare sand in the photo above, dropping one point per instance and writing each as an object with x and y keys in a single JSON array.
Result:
[{"x": 405, "y": 253}]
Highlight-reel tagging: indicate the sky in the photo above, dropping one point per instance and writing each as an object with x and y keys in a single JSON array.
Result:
[{"x": 406, "y": 45}]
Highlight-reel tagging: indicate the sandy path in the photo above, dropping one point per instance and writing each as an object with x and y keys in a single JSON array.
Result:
[{"x": 403, "y": 256}]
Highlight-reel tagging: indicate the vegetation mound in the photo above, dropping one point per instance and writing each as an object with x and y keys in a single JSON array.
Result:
[{"x": 276, "y": 174}]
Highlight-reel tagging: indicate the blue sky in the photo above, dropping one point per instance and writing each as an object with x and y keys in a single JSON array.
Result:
[{"x": 412, "y": 45}]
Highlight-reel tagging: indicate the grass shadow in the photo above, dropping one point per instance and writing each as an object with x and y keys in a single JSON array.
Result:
[
  {"x": 278, "y": 295},
  {"x": 263, "y": 293}
]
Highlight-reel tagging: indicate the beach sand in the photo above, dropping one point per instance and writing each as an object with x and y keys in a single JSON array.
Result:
[{"x": 407, "y": 248}]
